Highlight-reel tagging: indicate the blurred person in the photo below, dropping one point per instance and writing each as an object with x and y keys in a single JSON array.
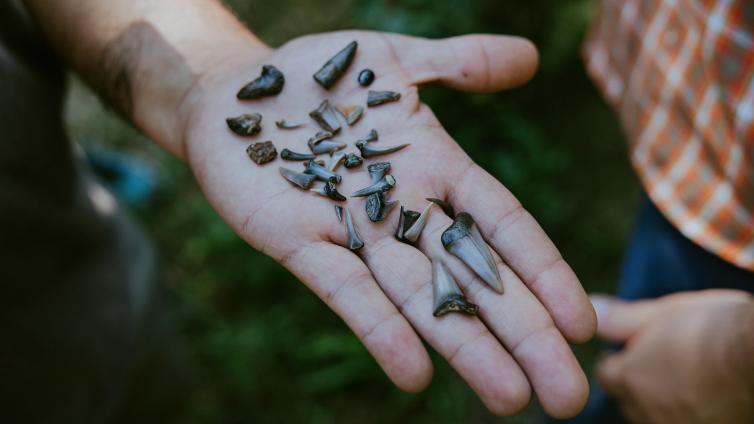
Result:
[
  {"x": 78, "y": 277},
  {"x": 680, "y": 75}
]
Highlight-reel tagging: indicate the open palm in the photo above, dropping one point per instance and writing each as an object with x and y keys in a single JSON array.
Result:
[{"x": 384, "y": 291}]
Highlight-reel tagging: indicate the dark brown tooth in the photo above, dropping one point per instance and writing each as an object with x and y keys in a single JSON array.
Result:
[
  {"x": 268, "y": 84},
  {"x": 321, "y": 172},
  {"x": 262, "y": 153},
  {"x": 447, "y": 296},
  {"x": 339, "y": 212},
  {"x": 334, "y": 68},
  {"x": 446, "y": 207},
  {"x": 285, "y": 125},
  {"x": 246, "y": 125},
  {"x": 376, "y": 98},
  {"x": 352, "y": 161},
  {"x": 326, "y": 116},
  {"x": 366, "y": 77},
  {"x": 297, "y": 178},
  {"x": 399, "y": 230},
  {"x": 351, "y": 113},
  {"x": 326, "y": 146},
  {"x": 291, "y": 155},
  {"x": 385, "y": 184},
  {"x": 378, "y": 170},
  {"x": 354, "y": 239},
  {"x": 378, "y": 207},
  {"x": 329, "y": 190},
  {"x": 368, "y": 151},
  {"x": 463, "y": 240}
]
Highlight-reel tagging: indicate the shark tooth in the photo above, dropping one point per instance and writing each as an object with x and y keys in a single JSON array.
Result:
[
  {"x": 463, "y": 240},
  {"x": 376, "y": 98},
  {"x": 378, "y": 207},
  {"x": 322, "y": 173},
  {"x": 246, "y": 125},
  {"x": 291, "y": 155},
  {"x": 269, "y": 83},
  {"x": 334, "y": 68},
  {"x": 412, "y": 233},
  {"x": 339, "y": 212},
  {"x": 351, "y": 113},
  {"x": 367, "y": 150},
  {"x": 328, "y": 190},
  {"x": 447, "y": 295},
  {"x": 262, "y": 153},
  {"x": 354, "y": 239},
  {"x": 385, "y": 184},
  {"x": 285, "y": 125},
  {"x": 326, "y": 116},
  {"x": 335, "y": 159},
  {"x": 326, "y": 146},
  {"x": 378, "y": 170},
  {"x": 352, "y": 161},
  {"x": 297, "y": 178}
]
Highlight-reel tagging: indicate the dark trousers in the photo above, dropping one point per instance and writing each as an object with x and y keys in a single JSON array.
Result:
[{"x": 659, "y": 260}]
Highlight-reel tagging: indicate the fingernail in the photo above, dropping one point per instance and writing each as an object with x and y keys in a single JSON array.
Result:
[{"x": 602, "y": 304}]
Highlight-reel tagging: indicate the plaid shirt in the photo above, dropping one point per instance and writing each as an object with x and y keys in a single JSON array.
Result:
[{"x": 680, "y": 74}]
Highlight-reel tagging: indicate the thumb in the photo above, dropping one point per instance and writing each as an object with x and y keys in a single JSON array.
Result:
[
  {"x": 618, "y": 320},
  {"x": 479, "y": 63}
]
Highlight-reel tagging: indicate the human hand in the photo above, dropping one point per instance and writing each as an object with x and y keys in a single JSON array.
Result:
[
  {"x": 687, "y": 358},
  {"x": 384, "y": 292}
]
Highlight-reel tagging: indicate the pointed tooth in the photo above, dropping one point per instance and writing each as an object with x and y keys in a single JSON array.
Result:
[
  {"x": 321, "y": 172},
  {"x": 354, "y": 239},
  {"x": 376, "y": 98},
  {"x": 297, "y": 178},
  {"x": 378, "y": 170},
  {"x": 291, "y": 155},
  {"x": 372, "y": 136},
  {"x": 269, "y": 83},
  {"x": 413, "y": 233},
  {"x": 447, "y": 296},
  {"x": 352, "y": 160},
  {"x": 463, "y": 240},
  {"x": 326, "y": 146},
  {"x": 385, "y": 184},
  {"x": 367, "y": 150},
  {"x": 335, "y": 159},
  {"x": 328, "y": 190},
  {"x": 334, "y": 68},
  {"x": 326, "y": 116},
  {"x": 339, "y": 212}
]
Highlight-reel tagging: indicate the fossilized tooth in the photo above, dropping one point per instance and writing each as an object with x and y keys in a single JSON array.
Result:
[
  {"x": 366, "y": 76},
  {"x": 352, "y": 160},
  {"x": 354, "y": 239},
  {"x": 262, "y": 152},
  {"x": 335, "y": 159},
  {"x": 297, "y": 178},
  {"x": 376, "y": 98},
  {"x": 326, "y": 146},
  {"x": 368, "y": 151},
  {"x": 378, "y": 170},
  {"x": 405, "y": 220},
  {"x": 246, "y": 125},
  {"x": 446, "y": 207},
  {"x": 378, "y": 207},
  {"x": 326, "y": 116},
  {"x": 321, "y": 172},
  {"x": 285, "y": 125},
  {"x": 372, "y": 136},
  {"x": 339, "y": 212},
  {"x": 385, "y": 184},
  {"x": 334, "y": 68},
  {"x": 268, "y": 84},
  {"x": 412, "y": 233},
  {"x": 446, "y": 293},
  {"x": 319, "y": 136},
  {"x": 329, "y": 190},
  {"x": 351, "y": 113},
  {"x": 291, "y": 155},
  {"x": 463, "y": 240}
]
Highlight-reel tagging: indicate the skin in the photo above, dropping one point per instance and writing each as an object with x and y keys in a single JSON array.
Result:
[
  {"x": 173, "y": 68},
  {"x": 688, "y": 357}
]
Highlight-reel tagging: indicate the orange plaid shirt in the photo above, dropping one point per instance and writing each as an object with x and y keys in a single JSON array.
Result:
[{"x": 680, "y": 75}]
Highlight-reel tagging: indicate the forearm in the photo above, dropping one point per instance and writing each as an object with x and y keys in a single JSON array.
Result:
[{"x": 148, "y": 59}]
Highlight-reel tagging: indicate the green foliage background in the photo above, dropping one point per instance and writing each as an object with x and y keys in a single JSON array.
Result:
[{"x": 264, "y": 348}]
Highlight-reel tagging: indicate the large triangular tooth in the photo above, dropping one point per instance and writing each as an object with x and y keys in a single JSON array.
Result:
[
  {"x": 463, "y": 240},
  {"x": 447, "y": 296}
]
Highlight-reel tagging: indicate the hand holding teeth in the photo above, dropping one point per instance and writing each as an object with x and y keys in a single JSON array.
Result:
[
  {"x": 322, "y": 173},
  {"x": 463, "y": 240},
  {"x": 385, "y": 184},
  {"x": 446, "y": 293},
  {"x": 368, "y": 150}
]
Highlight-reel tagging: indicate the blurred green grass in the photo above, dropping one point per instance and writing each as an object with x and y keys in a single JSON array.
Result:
[{"x": 266, "y": 350}]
